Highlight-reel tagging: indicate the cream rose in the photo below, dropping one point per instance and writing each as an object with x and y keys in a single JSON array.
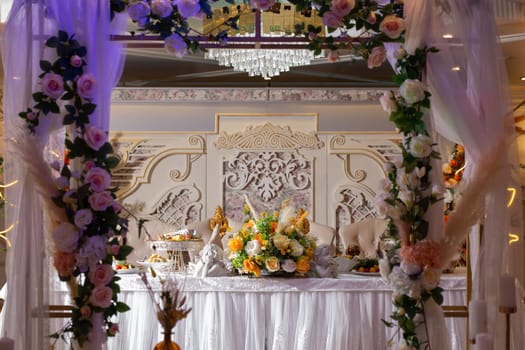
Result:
[
  {"x": 138, "y": 10},
  {"x": 297, "y": 248},
  {"x": 53, "y": 85},
  {"x": 272, "y": 264},
  {"x": 66, "y": 237},
  {"x": 420, "y": 146},
  {"x": 430, "y": 278},
  {"x": 161, "y": 8},
  {"x": 342, "y": 7},
  {"x": 175, "y": 45},
  {"x": 412, "y": 90},
  {"x": 100, "y": 201},
  {"x": 387, "y": 102},
  {"x": 102, "y": 275},
  {"x": 98, "y": 178},
  {"x": 281, "y": 241},
  {"x": 94, "y": 137},
  {"x": 289, "y": 265},
  {"x": 377, "y": 57},
  {"x": 188, "y": 8},
  {"x": 83, "y": 217},
  {"x": 86, "y": 86},
  {"x": 252, "y": 248},
  {"x": 392, "y": 26},
  {"x": 101, "y": 296}
]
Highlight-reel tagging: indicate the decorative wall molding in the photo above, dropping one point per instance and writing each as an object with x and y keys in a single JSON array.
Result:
[
  {"x": 267, "y": 178},
  {"x": 244, "y": 95},
  {"x": 269, "y": 136},
  {"x": 354, "y": 204},
  {"x": 180, "y": 206},
  {"x": 140, "y": 156}
]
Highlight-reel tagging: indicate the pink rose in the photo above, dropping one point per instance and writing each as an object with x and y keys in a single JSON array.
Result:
[
  {"x": 262, "y": 4},
  {"x": 76, "y": 61},
  {"x": 94, "y": 137},
  {"x": 387, "y": 102},
  {"x": 85, "y": 312},
  {"x": 392, "y": 26},
  {"x": 377, "y": 57},
  {"x": 101, "y": 296},
  {"x": 332, "y": 56},
  {"x": 188, "y": 8},
  {"x": 371, "y": 18},
  {"x": 161, "y": 8},
  {"x": 332, "y": 19},
  {"x": 100, "y": 201},
  {"x": 86, "y": 86},
  {"x": 113, "y": 329},
  {"x": 174, "y": 44},
  {"x": 342, "y": 7},
  {"x": 138, "y": 10},
  {"x": 53, "y": 85},
  {"x": 83, "y": 217},
  {"x": 102, "y": 275},
  {"x": 64, "y": 263},
  {"x": 98, "y": 178}
]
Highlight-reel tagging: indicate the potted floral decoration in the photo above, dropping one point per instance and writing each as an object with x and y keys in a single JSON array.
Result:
[{"x": 274, "y": 244}]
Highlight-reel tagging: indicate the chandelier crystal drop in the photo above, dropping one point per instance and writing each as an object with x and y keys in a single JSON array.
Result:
[{"x": 267, "y": 63}]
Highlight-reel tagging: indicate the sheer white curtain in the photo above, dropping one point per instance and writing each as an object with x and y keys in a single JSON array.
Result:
[
  {"x": 28, "y": 26},
  {"x": 471, "y": 106}
]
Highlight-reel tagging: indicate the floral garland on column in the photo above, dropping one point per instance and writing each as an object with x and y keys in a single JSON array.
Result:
[
  {"x": 411, "y": 263},
  {"x": 89, "y": 233}
]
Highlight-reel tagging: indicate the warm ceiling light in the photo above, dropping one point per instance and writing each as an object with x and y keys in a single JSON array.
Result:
[
  {"x": 522, "y": 78},
  {"x": 456, "y": 68},
  {"x": 448, "y": 36}
]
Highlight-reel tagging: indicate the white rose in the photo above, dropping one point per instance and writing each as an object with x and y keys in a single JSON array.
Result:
[
  {"x": 66, "y": 237},
  {"x": 430, "y": 278},
  {"x": 407, "y": 197},
  {"x": 406, "y": 182},
  {"x": 381, "y": 206},
  {"x": 289, "y": 265},
  {"x": 297, "y": 248},
  {"x": 252, "y": 248},
  {"x": 93, "y": 250},
  {"x": 83, "y": 217},
  {"x": 410, "y": 268},
  {"x": 176, "y": 45},
  {"x": 387, "y": 102},
  {"x": 412, "y": 90},
  {"x": 420, "y": 146},
  {"x": 138, "y": 10}
]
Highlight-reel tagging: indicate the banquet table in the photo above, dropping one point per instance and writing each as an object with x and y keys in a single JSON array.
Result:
[{"x": 238, "y": 313}]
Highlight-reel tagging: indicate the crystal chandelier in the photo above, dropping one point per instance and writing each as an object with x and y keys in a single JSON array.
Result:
[{"x": 267, "y": 63}]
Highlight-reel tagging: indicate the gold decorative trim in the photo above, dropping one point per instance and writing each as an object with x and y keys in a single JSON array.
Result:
[
  {"x": 219, "y": 116},
  {"x": 269, "y": 136}
]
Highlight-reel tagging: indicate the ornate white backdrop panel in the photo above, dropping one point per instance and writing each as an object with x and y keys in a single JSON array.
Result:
[{"x": 179, "y": 178}]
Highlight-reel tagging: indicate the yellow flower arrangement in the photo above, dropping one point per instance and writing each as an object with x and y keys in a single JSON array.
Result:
[{"x": 274, "y": 244}]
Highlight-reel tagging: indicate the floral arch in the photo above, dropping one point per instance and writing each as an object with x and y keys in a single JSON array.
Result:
[{"x": 61, "y": 90}]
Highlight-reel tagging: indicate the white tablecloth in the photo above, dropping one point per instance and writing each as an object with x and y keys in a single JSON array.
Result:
[{"x": 241, "y": 313}]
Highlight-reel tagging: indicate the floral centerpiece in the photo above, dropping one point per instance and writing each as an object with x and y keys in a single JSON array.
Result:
[{"x": 273, "y": 244}]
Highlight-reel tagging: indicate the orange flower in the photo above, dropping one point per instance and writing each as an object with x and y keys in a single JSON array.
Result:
[
  {"x": 273, "y": 227},
  {"x": 309, "y": 252},
  {"x": 235, "y": 244},
  {"x": 303, "y": 264},
  {"x": 260, "y": 239},
  {"x": 251, "y": 267}
]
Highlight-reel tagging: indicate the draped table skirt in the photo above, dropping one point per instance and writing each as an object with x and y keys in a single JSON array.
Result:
[{"x": 238, "y": 313}]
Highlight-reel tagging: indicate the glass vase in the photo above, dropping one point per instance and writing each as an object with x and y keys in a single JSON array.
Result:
[{"x": 167, "y": 343}]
